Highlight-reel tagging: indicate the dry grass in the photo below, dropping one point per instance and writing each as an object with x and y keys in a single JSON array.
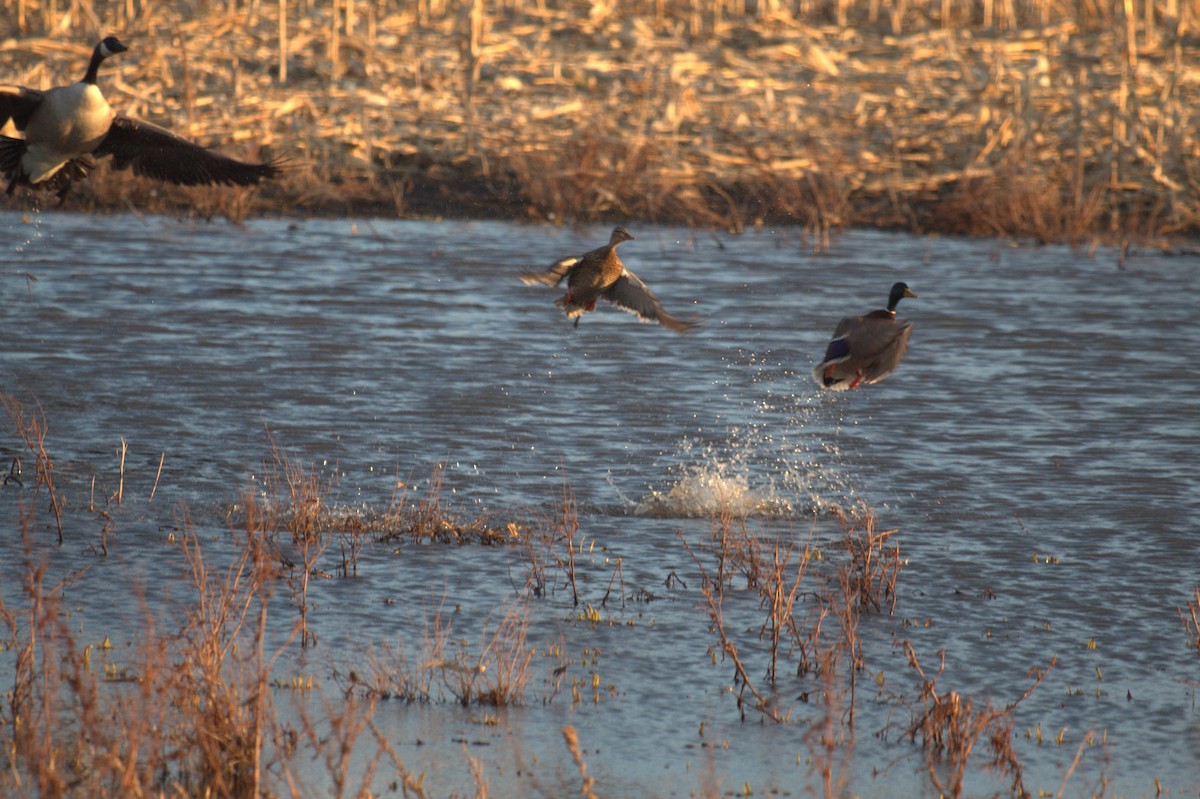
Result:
[
  {"x": 185, "y": 709},
  {"x": 950, "y": 725},
  {"x": 1191, "y": 620},
  {"x": 429, "y": 519},
  {"x": 494, "y": 672},
  {"x": 873, "y": 564},
  {"x": 180, "y": 712},
  {"x": 735, "y": 549},
  {"x": 1035, "y": 118},
  {"x": 298, "y": 492},
  {"x": 192, "y": 709},
  {"x": 388, "y": 673},
  {"x": 550, "y": 546},
  {"x": 31, "y": 428},
  {"x": 840, "y": 590}
]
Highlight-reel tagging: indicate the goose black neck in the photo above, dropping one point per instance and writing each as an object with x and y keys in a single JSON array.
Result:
[{"x": 94, "y": 65}]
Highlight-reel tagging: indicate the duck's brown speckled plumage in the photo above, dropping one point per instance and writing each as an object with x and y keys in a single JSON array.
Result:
[
  {"x": 867, "y": 348},
  {"x": 600, "y": 274}
]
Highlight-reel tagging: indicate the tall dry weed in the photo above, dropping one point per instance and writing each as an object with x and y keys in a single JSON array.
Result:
[
  {"x": 32, "y": 428},
  {"x": 836, "y": 589},
  {"x": 429, "y": 518},
  {"x": 950, "y": 725},
  {"x": 1190, "y": 617},
  {"x": 550, "y": 548},
  {"x": 184, "y": 711}
]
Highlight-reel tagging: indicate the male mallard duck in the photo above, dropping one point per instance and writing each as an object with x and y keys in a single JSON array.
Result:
[
  {"x": 600, "y": 273},
  {"x": 67, "y": 125},
  {"x": 866, "y": 349}
]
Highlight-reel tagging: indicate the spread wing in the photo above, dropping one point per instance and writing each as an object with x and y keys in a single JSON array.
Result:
[
  {"x": 157, "y": 153},
  {"x": 18, "y": 104},
  {"x": 630, "y": 294},
  {"x": 552, "y": 277}
]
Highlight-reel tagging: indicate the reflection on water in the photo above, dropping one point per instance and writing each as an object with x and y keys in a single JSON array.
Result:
[{"x": 1035, "y": 450}]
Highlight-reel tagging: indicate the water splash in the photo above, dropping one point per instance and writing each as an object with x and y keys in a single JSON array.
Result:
[
  {"x": 24, "y": 237},
  {"x": 783, "y": 460},
  {"x": 712, "y": 487}
]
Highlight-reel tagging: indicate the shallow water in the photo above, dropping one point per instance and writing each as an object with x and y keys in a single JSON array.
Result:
[{"x": 1035, "y": 450}]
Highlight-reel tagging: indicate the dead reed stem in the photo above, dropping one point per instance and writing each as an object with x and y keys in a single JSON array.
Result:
[
  {"x": 157, "y": 476},
  {"x": 1190, "y": 617},
  {"x": 411, "y": 784},
  {"x": 32, "y": 428},
  {"x": 305, "y": 522},
  {"x": 587, "y": 788},
  {"x": 842, "y": 589},
  {"x": 734, "y": 550},
  {"x": 121, "y": 480},
  {"x": 543, "y": 548}
]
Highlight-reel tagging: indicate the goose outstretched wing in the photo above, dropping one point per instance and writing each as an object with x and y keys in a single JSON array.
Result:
[
  {"x": 18, "y": 104},
  {"x": 157, "y": 153}
]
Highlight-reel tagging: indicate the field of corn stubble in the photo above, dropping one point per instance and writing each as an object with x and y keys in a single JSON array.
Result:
[{"x": 1038, "y": 119}]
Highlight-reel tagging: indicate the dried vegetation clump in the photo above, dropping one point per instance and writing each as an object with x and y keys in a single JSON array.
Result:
[
  {"x": 811, "y": 597},
  {"x": 294, "y": 499},
  {"x": 1034, "y": 118},
  {"x": 186, "y": 709},
  {"x": 493, "y": 671},
  {"x": 950, "y": 725},
  {"x": 193, "y": 704},
  {"x": 1190, "y": 617}
]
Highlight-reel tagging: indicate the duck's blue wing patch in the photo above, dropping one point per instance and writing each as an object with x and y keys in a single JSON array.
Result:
[{"x": 838, "y": 349}]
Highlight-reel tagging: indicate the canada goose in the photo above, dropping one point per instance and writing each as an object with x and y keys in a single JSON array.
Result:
[
  {"x": 65, "y": 126},
  {"x": 866, "y": 349},
  {"x": 600, "y": 273}
]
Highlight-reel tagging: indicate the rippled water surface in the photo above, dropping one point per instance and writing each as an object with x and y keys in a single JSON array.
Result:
[{"x": 1036, "y": 452}]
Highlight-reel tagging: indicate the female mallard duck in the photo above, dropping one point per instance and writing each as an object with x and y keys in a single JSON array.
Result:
[
  {"x": 600, "y": 273},
  {"x": 67, "y": 125},
  {"x": 866, "y": 349}
]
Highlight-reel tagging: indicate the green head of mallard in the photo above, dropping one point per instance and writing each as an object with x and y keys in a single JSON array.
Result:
[{"x": 899, "y": 292}]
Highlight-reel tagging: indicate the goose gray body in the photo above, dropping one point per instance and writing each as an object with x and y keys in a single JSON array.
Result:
[
  {"x": 65, "y": 127},
  {"x": 867, "y": 348},
  {"x": 598, "y": 274}
]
